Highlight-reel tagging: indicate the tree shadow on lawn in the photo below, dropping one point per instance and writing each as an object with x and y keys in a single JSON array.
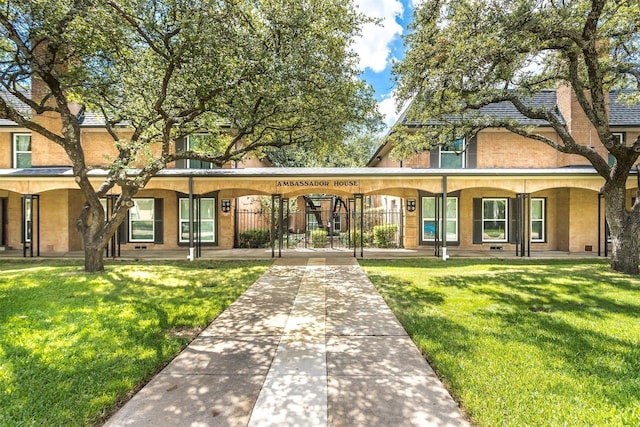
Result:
[
  {"x": 87, "y": 339},
  {"x": 554, "y": 312},
  {"x": 587, "y": 289},
  {"x": 579, "y": 319},
  {"x": 559, "y": 313}
]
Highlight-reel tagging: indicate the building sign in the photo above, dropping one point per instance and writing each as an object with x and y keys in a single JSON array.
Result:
[{"x": 317, "y": 183}]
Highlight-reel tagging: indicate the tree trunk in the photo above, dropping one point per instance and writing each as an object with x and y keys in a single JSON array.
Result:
[
  {"x": 624, "y": 226},
  {"x": 91, "y": 225},
  {"x": 93, "y": 259}
]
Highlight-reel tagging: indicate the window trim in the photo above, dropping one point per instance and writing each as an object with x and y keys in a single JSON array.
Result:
[
  {"x": 214, "y": 220},
  {"x": 505, "y": 220},
  {"x": 15, "y": 151},
  {"x": 153, "y": 221},
  {"x": 543, "y": 220},
  {"x": 460, "y": 153},
  {"x": 424, "y": 218}
]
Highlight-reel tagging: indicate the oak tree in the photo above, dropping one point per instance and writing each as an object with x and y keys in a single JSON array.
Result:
[
  {"x": 464, "y": 55},
  {"x": 248, "y": 74}
]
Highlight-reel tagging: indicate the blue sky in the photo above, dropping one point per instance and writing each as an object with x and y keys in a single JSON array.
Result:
[{"x": 380, "y": 45}]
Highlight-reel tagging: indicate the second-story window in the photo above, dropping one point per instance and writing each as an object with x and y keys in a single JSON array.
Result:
[
  {"x": 21, "y": 150},
  {"x": 452, "y": 155},
  {"x": 192, "y": 144}
]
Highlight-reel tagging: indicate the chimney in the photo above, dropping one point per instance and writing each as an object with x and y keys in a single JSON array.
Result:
[{"x": 578, "y": 124}]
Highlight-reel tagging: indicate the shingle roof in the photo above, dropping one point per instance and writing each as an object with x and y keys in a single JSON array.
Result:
[
  {"x": 19, "y": 105},
  {"x": 91, "y": 119},
  {"x": 622, "y": 113},
  {"x": 505, "y": 110}
]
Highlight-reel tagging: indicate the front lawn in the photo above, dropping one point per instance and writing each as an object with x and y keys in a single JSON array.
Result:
[
  {"x": 524, "y": 343},
  {"x": 72, "y": 345}
]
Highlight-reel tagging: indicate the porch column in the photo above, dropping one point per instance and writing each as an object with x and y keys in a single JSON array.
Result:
[
  {"x": 190, "y": 256},
  {"x": 523, "y": 219},
  {"x": 30, "y": 203},
  {"x": 444, "y": 219}
]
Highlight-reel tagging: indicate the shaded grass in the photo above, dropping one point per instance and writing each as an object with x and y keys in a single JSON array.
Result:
[
  {"x": 553, "y": 343},
  {"x": 73, "y": 345}
]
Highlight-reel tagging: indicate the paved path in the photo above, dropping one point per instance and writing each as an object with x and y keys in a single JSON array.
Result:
[{"x": 311, "y": 343}]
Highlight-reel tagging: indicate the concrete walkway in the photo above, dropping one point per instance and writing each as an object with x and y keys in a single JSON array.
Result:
[{"x": 311, "y": 343}]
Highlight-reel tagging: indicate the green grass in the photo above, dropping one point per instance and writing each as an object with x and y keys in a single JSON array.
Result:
[
  {"x": 524, "y": 343},
  {"x": 73, "y": 345}
]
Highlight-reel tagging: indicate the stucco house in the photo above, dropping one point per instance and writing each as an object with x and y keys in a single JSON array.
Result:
[
  {"x": 502, "y": 192},
  {"x": 507, "y": 192}
]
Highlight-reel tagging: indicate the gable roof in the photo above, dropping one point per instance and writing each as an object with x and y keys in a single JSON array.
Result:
[
  {"x": 546, "y": 99},
  {"x": 90, "y": 119},
  {"x": 506, "y": 111},
  {"x": 621, "y": 113}
]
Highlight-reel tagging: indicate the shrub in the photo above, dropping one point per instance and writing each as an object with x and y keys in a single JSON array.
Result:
[
  {"x": 355, "y": 239},
  {"x": 384, "y": 236},
  {"x": 319, "y": 238},
  {"x": 255, "y": 238}
]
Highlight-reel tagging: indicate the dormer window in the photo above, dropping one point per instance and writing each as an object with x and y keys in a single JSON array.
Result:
[
  {"x": 21, "y": 150},
  {"x": 452, "y": 155}
]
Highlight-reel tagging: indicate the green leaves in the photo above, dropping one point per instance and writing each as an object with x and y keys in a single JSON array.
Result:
[
  {"x": 279, "y": 72},
  {"x": 465, "y": 55},
  {"x": 273, "y": 72}
]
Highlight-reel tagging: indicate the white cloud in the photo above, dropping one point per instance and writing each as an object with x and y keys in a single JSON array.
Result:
[
  {"x": 388, "y": 108},
  {"x": 373, "y": 45}
]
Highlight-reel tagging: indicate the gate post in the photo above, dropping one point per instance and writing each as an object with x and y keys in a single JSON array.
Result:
[
  {"x": 274, "y": 197},
  {"x": 358, "y": 197}
]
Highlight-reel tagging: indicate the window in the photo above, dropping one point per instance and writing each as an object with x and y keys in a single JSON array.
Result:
[
  {"x": 21, "y": 150},
  {"x": 193, "y": 143},
  {"x": 312, "y": 222},
  {"x": 337, "y": 222},
  {"x": 451, "y": 155},
  {"x": 494, "y": 220},
  {"x": 538, "y": 220},
  {"x": 207, "y": 209},
  {"x": 141, "y": 221},
  {"x": 620, "y": 138},
  {"x": 429, "y": 226}
]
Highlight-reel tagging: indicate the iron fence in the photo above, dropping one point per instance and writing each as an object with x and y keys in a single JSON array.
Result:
[{"x": 321, "y": 229}]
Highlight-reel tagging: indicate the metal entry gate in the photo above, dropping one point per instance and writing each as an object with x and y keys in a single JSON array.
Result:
[{"x": 325, "y": 223}]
